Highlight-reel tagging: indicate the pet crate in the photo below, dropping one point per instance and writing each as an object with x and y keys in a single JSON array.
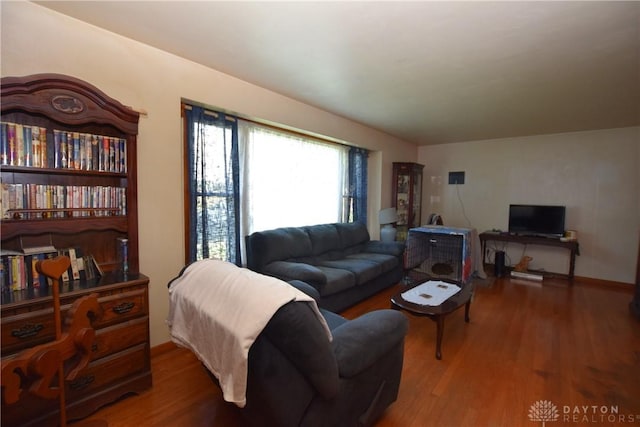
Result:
[{"x": 439, "y": 255}]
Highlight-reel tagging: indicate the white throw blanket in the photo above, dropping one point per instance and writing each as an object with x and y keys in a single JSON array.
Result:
[{"x": 217, "y": 310}]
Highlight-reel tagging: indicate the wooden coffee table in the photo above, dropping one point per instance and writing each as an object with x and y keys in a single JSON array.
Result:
[{"x": 439, "y": 312}]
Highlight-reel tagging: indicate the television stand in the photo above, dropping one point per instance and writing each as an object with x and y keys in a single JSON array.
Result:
[{"x": 572, "y": 246}]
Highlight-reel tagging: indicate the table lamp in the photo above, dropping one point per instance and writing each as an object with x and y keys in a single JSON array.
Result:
[{"x": 387, "y": 217}]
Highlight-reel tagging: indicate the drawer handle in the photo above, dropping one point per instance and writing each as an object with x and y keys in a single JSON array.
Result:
[
  {"x": 27, "y": 331},
  {"x": 82, "y": 382},
  {"x": 123, "y": 308}
]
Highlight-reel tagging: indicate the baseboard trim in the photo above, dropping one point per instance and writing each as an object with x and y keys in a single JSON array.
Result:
[
  {"x": 605, "y": 283},
  {"x": 163, "y": 348}
]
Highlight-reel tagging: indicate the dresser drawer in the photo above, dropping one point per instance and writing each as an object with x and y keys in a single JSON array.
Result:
[
  {"x": 121, "y": 307},
  {"x": 109, "y": 371},
  {"x": 119, "y": 363},
  {"x": 118, "y": 337},
  {"x": 26, "y": 330}
]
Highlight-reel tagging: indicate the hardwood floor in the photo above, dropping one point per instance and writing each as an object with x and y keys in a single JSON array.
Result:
[{"x": 577, "y": 347}]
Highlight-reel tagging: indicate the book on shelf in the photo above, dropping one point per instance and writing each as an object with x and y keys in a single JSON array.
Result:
[
  {"x": 75, "y": 272},
  {"x": 4, "y": 148},
  {"x": 91, "y": 268},
  {"x": 35, "y": 146},
  {"x": 19, "y": 269},
  {"x": 19, "y": 145},
  {"x": 82, "y": 200}
]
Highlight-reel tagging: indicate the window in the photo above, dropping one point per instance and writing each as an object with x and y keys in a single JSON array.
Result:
[
  {"x": 290, "y": 180},
  {"x": 242, "y": 177},
  {"x": 212, "y": 180}
]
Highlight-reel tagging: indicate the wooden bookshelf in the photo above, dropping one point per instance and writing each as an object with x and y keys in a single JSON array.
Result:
[{"x": 103, "y": 181}]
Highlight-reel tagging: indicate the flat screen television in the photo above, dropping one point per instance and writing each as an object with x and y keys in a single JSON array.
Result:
[{"x": 536, "y": 220}]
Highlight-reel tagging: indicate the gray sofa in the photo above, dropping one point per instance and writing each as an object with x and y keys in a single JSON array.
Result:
[{"x": 339, "y": 260}]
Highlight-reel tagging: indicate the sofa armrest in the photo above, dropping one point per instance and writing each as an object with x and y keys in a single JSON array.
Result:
[
  {"x": 388, "y": 248},
  {"x": 286, "y": 270},
  {"x": 359, "y": 343},
  {"x": 306, "y": 288},
  {"x": 297, "y": 334}
]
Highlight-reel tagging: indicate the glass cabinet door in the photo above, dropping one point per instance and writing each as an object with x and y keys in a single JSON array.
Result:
[
  {"x": 402, "y": 198},
  {"x": 407, "y": 196},
  {"x": 417, "y": 199}
]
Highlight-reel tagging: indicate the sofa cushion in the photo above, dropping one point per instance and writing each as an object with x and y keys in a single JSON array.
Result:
[
  {"x": 295, "y": 270},
  {"x": 352, "y": 234},
  {"x": 324, "y": 238},
  {"x": 337, "y": 280},
  {"x": 355, "y": 249},
  {"x": 387, "y": 262},
  {"x": 333, "y": 320},
  {"x": 389, "y": 248},
  {"x": 311, "y": 260},
  {"x": 277, "y": 245},
  {"x": 363, "y": 270}
]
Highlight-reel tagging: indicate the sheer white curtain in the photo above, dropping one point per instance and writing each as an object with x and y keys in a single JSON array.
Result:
[{"x": 288, "y": 180}]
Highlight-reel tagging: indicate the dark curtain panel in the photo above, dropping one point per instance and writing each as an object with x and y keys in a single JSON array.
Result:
[
  {"x": 358, "y": 183},
  {"x": 213, "y": 186}
]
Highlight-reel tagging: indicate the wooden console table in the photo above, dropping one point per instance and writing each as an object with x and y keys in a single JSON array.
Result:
[{"x": 572, "y": 246}]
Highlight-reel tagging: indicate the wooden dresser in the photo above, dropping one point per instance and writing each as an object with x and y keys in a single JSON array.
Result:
[{"x": 120, "y": 360}]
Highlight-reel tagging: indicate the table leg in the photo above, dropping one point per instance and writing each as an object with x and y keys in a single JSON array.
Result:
[
  {"x": 572, "y": 265},
  {"x": 440, "y": 332}
]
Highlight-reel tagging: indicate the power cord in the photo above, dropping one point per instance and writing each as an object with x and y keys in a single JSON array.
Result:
[
  {"x": 464, "y": 213},
  {"x": 492, "y": 251}
]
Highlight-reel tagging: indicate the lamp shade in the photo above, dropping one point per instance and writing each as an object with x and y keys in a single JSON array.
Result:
[{"x": 388, "y": 216}]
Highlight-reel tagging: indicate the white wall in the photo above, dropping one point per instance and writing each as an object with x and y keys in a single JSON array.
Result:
[
  {"x": 38, "y": 40},
  {"x": 594, "y": 174}
]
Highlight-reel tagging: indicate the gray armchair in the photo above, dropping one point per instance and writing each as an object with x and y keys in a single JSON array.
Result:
[{"x": 298, "y": 378}]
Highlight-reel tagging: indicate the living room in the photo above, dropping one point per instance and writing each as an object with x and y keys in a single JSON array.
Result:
[{"x": 594, "y": 172}]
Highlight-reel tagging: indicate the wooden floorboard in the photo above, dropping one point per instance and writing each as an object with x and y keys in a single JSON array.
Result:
[{"x": 576, "y": 346}]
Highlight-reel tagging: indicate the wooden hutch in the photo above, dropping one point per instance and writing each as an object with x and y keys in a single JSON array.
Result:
[{"x": 68, "y": 161}]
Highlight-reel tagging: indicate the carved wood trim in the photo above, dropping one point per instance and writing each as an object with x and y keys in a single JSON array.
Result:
[{"x": 81, "y": 102}]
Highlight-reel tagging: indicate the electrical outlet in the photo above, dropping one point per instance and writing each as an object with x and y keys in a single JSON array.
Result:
[{"x": 456, "y": 177}]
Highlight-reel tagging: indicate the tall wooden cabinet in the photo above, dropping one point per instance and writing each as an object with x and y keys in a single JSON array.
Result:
[
  {"x": 68, "y": 162},
  {"x": 407, "y": 196}
]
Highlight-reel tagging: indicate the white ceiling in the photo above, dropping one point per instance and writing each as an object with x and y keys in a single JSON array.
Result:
[{"x": 426, "y": 72}]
